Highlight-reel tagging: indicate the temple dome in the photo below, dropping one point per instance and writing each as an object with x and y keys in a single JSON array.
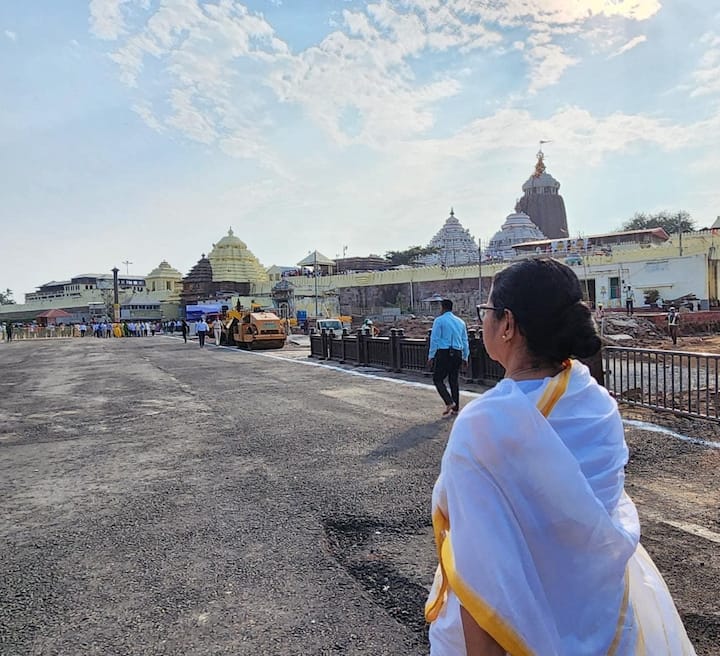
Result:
[
  {"x": 231, "y": 261},
  {"x": 544, "y": 180},
  {"x": 231, "y": 240},
  {"x": 455, "y": 244},
  {"x": 518, "y": 228},
  {"x": 201, "y": 273},
  {"x": 164, "y": 270}
]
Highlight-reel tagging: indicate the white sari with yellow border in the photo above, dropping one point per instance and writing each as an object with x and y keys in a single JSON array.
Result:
[{"x": 536, "y": 537}]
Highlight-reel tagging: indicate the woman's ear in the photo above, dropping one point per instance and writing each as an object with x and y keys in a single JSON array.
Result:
[{"x": 509, "y": 326}]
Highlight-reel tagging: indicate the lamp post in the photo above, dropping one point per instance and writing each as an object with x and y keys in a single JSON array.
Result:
[
  {"x": 479, "y": 271},
  {"x": 116, "y": 299},
  {"x": 315, "y": 272},
  {"x": 680, "y": 233}
]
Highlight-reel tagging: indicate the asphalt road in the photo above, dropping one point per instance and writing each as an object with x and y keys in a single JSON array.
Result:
[{"x": 159, "y": 498}]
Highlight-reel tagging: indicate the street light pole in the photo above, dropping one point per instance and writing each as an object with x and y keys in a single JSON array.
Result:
[
  {"x": 315, "y": 272},
  {"x": 680, "y": 233},
  {"x": 479, "y": 271},
  {"x": 116, "y": 296}
]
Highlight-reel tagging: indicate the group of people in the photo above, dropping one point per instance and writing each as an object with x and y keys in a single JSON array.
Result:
[
  {"x": 106, "y": 329},
  {"x": 537, "y": 540}
]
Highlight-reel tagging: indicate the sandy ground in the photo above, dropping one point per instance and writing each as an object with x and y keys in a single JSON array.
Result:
[{"x": 158, "y": 498}]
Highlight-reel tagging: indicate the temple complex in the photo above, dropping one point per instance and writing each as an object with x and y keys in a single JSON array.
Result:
[
  {"x": 455, "y": 245},
  {"x": 542, "y": 202},
  {"x": 610, "y": 266},
  {"x": 229, "y": 269}
]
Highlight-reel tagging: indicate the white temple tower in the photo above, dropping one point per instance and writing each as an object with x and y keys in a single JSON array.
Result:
[{"x": 456, "y": 246}]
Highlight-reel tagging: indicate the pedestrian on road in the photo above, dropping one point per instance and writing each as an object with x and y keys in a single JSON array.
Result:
[
  {"x": 449, "y": 350},
  {"x": 217, "y": 329},
  {"x": 184, "y": 328},
  {"x": 673, "y": 319},
  {"x": 202, "y": 328},
  {"x": 9, "y": 331},
  {"x": 538, "y": 541}
]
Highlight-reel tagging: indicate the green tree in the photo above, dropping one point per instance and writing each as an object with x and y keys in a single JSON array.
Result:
[
  {"x": 6, "y": 297},
  {"x": 651, "y": 296},
  {"x": 670, "y": 222},
  {"x": 410, "y": 256}
]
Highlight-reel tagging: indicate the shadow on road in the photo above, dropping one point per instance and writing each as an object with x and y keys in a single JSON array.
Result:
[{"x": 407, "y": 440}]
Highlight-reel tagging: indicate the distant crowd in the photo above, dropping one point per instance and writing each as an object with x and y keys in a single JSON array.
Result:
[{"x": 100, "y": 329}]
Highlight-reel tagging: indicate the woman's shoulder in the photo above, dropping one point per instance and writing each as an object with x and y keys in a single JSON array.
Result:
[{"x": 494, "y": 422}]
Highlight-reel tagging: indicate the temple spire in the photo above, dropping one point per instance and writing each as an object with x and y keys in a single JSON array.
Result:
[{"x": 540, "y": 164}]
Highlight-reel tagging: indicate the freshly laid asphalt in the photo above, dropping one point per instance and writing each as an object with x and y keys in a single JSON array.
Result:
[{"x": 159, "y": 498}]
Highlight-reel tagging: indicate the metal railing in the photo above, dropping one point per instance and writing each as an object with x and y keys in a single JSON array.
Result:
[
  {"x": 679, "y": 381},
  {"x": 399, "y": 353}
]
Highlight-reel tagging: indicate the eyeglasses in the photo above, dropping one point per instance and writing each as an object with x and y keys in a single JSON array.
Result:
[{"x": 483, "y": 309}]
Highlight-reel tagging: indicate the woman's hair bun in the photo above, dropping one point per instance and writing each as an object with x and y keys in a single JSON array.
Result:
[
  {"x": 576, "y": 334},
  {"x": 545, "y": 296}
]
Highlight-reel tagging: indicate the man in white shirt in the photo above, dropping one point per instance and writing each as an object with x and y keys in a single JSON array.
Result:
[
  {"x": 217, "y": 329},
  {"x": 673, "y": 318}
]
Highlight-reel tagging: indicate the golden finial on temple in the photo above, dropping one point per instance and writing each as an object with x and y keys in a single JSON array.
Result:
[{"x": 540, "y": 164}]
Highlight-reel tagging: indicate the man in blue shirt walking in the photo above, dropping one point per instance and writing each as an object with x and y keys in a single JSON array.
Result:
[{"x": 449, "y": 350}]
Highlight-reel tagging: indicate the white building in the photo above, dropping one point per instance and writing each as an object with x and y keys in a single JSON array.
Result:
[{"x": 90, "y": 295}]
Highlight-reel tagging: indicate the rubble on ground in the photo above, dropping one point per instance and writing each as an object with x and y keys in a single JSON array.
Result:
[{"x": 630, "y": 331}]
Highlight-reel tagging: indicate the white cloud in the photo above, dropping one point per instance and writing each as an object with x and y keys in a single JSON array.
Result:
[
  {"x": 222, "y": 66},
  {"x": 106, "y": 18},
  {"x": 547, "y": 64},
  {"x": 636, "y": 41},
  {"x": 706, "y": 77},
  {"x": 11, "y": 35},
  {"x": 144, "y": 111}
]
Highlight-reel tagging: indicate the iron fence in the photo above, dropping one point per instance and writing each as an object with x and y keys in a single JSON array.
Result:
[
  {"x": 399, "y": 353},
  {"x": 682, "y": 382}
]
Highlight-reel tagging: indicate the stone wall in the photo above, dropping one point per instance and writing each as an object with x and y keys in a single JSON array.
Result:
[{"x": 463, "y": 292}]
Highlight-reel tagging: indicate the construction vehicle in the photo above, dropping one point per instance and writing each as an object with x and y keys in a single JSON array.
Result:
[{"x": 254, "y": 329}]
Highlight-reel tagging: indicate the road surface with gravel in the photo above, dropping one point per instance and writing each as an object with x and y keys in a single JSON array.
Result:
[{"x": 158, "y": 498}]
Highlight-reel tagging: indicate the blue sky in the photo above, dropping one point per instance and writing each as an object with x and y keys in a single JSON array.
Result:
[{"x": 142, "y": 129}]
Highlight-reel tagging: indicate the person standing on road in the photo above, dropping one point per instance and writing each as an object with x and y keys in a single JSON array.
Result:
[
  {"x": 217, "y": 329},
  {"x": 202, "y": 328},
  {"x": 9, "y": 331},
  {"x": 449, "y": 350},
  {"x": 673, "y": 319},
  {"x": 629, "y": 300},
  {"x": 184, "y": 329},
  {"x": 538, "y": 541}
]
